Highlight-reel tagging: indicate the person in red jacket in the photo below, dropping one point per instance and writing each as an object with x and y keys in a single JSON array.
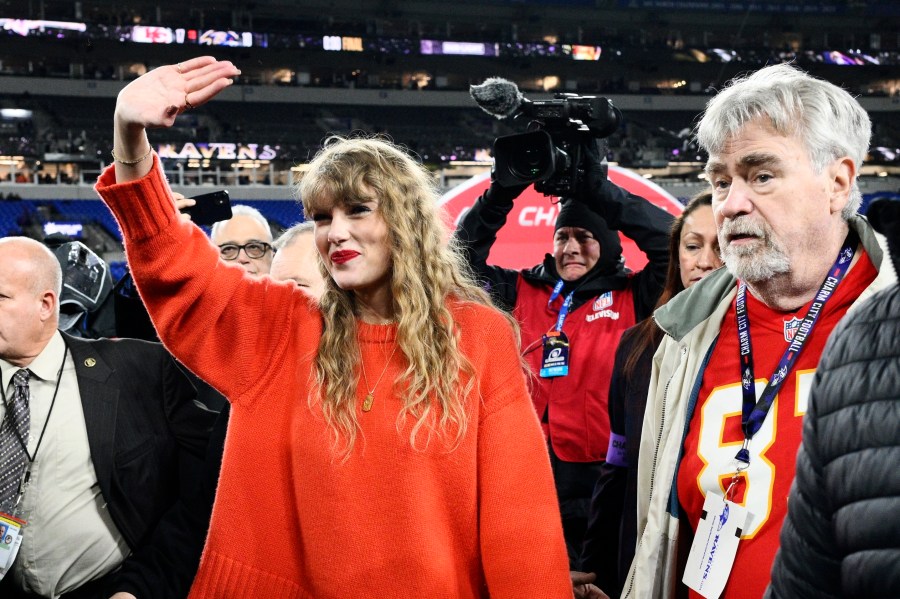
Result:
[
  {"x": 579, "y": 300},
  {"x": 381, "y": 441}
]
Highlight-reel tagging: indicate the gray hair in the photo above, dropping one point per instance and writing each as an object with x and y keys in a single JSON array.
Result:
[
  {"x": 825, "y": 118},
  {"x": 290, "y": 235},
  {"x": 243, "y": 210}
]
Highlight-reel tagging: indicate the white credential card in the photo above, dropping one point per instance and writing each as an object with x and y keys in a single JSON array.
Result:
[{"x": 715, "y": 546}]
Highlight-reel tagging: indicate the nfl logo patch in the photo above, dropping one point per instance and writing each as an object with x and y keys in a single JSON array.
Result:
[
  {"x": 790, "y": 328},
  {"x": 603, "y": 302}
]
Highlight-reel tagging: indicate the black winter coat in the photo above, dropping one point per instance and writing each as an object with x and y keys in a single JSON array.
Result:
[
  {"x": 841, "y": 536},
  {"x": 611, "y": 535}
]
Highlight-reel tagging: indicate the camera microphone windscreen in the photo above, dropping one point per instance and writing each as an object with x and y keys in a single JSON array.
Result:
[{"x": 497, "y": 97}]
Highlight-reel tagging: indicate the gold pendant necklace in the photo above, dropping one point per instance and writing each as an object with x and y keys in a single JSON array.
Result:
[{"x": 370, "y": 395}]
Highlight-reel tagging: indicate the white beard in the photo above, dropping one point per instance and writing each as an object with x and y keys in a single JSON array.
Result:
[{"x": 755, "y": 262}]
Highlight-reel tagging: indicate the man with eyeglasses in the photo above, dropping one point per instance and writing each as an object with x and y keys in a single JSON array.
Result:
[{"x": 245, "y": 239}]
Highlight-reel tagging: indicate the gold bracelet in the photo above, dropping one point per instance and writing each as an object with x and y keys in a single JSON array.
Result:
[{"x": 130, "y": 162}]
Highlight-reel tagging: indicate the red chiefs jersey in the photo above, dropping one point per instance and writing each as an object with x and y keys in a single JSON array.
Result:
[{"x": 715, "y": 434}]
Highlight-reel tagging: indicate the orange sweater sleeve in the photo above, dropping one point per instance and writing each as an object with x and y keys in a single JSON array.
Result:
[
  {"x": 522, "y": 545},
  {"x": 226, "y": 327}
]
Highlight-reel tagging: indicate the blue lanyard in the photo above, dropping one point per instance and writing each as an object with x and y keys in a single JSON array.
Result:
[
  {"x": 754, "y": 411},
  {"x": 567, "y": 303}
]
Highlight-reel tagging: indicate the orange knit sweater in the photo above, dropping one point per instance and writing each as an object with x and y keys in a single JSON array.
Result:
[{"x": 291, "y": 518}]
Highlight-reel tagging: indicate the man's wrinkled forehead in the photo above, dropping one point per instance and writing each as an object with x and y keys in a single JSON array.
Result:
[
  {"x": 741, "y": 149},
  {"x": 573, "y": 231},
  {"x": 240, "y": 229}
]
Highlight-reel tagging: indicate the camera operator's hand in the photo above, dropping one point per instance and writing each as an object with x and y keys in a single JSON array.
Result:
[
  {"x": 499, "y": 195},
  {"x": 593, "y": 159}
]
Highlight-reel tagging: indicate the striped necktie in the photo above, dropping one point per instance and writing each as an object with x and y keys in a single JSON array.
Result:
[{"x": 13, "y": 437}]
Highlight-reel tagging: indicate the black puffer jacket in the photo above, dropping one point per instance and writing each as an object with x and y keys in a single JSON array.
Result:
[{"x": 841, "y": 537}]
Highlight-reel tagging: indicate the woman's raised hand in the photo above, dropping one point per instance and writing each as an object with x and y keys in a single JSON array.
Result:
[{"x": 155, "y": 99}]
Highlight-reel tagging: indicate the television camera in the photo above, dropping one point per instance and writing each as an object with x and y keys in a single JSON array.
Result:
[{"x": 551, "y": 152}]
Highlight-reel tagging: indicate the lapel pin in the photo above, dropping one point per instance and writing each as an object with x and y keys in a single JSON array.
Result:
[{"x": 90, "y": 362}]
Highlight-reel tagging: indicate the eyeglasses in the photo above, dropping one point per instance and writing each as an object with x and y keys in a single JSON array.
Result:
[{"x": 254, "y": 249}]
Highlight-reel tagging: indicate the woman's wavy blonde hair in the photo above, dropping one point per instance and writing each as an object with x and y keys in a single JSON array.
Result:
[{"x": 427, "y": 268}]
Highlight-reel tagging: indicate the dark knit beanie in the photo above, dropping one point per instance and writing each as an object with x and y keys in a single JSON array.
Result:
[{"x": 576, "y": 214}]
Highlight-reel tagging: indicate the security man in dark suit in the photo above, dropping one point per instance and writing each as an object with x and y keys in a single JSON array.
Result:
[{"x": 95, "y": 437}]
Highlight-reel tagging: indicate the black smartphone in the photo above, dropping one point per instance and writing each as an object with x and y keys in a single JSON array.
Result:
[{"x": 210, "y": 208}]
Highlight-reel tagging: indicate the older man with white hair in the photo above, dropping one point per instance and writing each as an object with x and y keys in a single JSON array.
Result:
[
  {"x": 246, "y": 239},
  {"x": 731, "y": 379},
  {"x": 297, "y": 259}
]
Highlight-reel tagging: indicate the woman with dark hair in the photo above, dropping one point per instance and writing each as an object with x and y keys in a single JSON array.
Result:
[
  {"x": 382, "y": 441},
  {"x": 611, "y": 535}
]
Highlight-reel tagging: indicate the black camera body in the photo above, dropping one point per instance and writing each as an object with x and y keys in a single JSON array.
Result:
[{"x": 549, "y": 154}]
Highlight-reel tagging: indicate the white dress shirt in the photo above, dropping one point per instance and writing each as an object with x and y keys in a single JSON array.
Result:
[{"x": 69, "y": 538}]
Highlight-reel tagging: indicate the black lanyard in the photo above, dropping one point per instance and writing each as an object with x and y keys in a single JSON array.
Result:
[
  {"x": 754, "y": 411},
  {"x": 32, "y": 458}
]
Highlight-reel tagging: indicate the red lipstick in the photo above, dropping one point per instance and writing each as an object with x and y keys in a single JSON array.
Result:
[{"x": 342, "y": 256}]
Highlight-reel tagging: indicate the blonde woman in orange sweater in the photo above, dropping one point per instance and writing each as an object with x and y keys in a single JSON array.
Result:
[{"x": 382, "y": 443}]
